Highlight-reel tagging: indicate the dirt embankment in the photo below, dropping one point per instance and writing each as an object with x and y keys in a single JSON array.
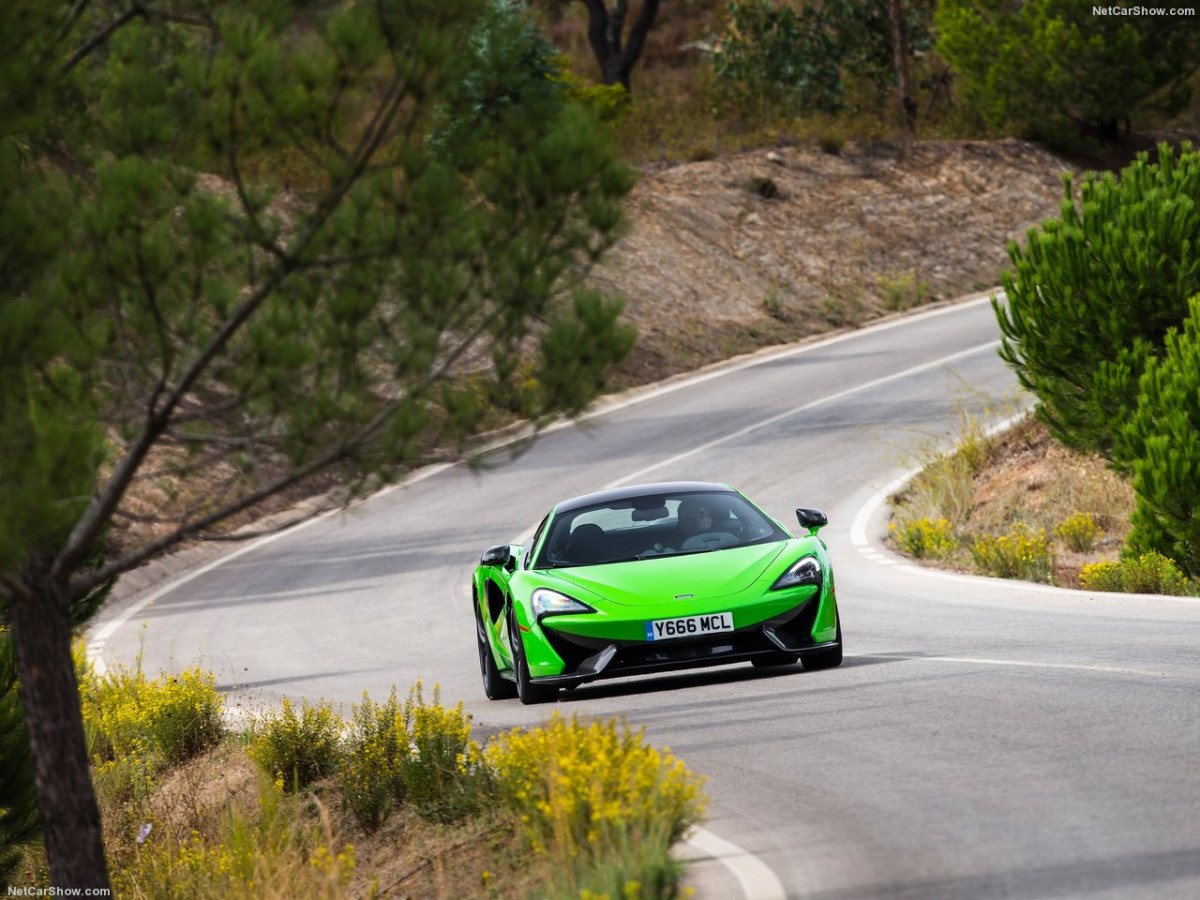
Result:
[{"x": 769, "y": 246}]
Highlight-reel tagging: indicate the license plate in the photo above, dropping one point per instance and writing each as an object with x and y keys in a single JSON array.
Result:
[{"x": 689, "y": 626}]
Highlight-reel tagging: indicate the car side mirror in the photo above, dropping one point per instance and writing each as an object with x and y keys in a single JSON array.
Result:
[
  {"x": 812, "y": 519},
  {"x": 500, "y": 555}
]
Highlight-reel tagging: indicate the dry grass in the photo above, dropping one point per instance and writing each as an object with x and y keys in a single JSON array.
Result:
[{"x": 1023, "y": 478}]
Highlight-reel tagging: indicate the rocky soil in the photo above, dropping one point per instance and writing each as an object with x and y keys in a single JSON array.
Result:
[{"x": 768, "y": 246}]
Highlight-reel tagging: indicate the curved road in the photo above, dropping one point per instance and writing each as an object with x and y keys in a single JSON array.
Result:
[{"x": 982, "y": 739}]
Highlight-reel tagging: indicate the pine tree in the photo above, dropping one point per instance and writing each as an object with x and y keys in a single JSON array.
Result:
[
  {"x": 1093, "y": 293},
  {"x": 234, "y": 250},
  {"x": 1162, "y": 440}
]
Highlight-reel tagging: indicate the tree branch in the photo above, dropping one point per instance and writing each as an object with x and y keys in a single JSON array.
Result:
[{"x": 87, "y": 529}]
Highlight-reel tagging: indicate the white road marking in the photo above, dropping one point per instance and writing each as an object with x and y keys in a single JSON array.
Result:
[
  {"x": 757, "y": 880},
  {"x": 95, "y": 646},
  {"x": 804, "y": 407},
  {"x": 720, "y": 369},
  {"x": 1029, "y": 664}
]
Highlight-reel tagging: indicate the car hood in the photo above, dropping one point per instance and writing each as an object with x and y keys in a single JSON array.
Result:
[{"x": 651, "y": 582}]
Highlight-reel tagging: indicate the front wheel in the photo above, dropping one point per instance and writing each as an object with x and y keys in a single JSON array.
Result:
[
  {"x": 825, "y": 659},
  {"x": 495, "y": 685},
  {"x": 527, "y": 690}
]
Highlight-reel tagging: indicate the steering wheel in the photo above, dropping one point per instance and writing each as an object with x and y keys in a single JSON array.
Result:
[{"x": 710, "y": 540}]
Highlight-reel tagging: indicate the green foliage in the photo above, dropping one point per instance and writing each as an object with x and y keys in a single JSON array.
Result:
[
  {"x": 1022, "y": 553},
  {"x": 1162, "y": 439},
  {"x": 153, "y": 723},
  {"x": 230, "y": 245},
  {"x": 1055, "y": 68},
  {"x": 18, "y": 800},
  {"x": 261, "y": 242},
  {"x": 589, "y": 793},
  {"x": 1094, "y": 292},
  {"x": 372, "y": 772},
  {"x": 902, "y": 291},
  {"x": 443, "y": 775},
  {"x": 1077, "y": 531},
  {"x": 297, "y": 750},
  {"x": 801, "y": 59},
  {"x": 925, "y": 538},
  {"x": 608, "y": 102},
  {"x": 1147, "y": 573}
]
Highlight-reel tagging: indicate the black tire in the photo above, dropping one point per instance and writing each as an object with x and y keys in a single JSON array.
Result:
[
  {"x": 825, "y": 659},
  {"x": 495, "y": 685},
  {"x": 529, "y": 692}
]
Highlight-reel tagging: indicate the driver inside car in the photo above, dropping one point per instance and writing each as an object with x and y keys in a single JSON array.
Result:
[{"x": 694, "y": 517}]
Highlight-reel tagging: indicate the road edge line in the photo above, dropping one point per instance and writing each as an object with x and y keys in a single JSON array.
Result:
[{"x": 757, "y": 880}]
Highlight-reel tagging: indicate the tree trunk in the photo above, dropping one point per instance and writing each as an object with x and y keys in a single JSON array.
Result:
[
  {"x": 615, "y": 55},
  {"x": 908, "y": 102},
  {"x": 70, "y": 818}
]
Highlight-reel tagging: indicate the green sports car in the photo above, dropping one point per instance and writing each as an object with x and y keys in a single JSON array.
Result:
[{"x": 651, "y": 578}]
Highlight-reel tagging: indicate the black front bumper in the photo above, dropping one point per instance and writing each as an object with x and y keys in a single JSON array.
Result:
[{"x": 588, "y": 659}]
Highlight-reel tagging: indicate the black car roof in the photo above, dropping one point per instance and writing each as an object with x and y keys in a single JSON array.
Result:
[{"x": 642, "y": 490}]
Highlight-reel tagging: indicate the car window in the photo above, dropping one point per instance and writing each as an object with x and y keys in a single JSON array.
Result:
[
  {"x": 533, "y": 541},
  {"x": 652, "y": 526}
]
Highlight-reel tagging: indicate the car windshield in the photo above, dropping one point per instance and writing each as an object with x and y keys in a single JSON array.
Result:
[{"x": 652, "y": 526}]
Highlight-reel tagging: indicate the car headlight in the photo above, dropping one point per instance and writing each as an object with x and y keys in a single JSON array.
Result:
[
  {"x": 551, "y": 603},
  {"x": 805, "y": 571}
]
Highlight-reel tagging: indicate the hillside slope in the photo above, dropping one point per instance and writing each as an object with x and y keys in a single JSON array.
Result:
[{"x": 767, "y": 246}]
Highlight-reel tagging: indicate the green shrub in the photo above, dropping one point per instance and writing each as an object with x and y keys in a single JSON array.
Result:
[
  {"x": 925, "y": 538},
  {"x": 377, "y": 748},
  {"x": 297, "y": 750},
  {"x": 902, "y": 291},
  {"x": 1147, "y": 573},
  {"x": 162, "y": 722},
  {"x": 1093, "y": 294},
  {"x": 1077, "y": 531},
  {"x": 1162, "y": 440},
  {"x": 1022, "y": 553},
  {"x": 599, "y": 802},
  {"x": 608, "y": 102},
  {"x": 443, "y": 777},
  {"x": 802, "y": 57},
  {"x": 1104, "y": 575},
  {"x": 1057, "y": 70}
]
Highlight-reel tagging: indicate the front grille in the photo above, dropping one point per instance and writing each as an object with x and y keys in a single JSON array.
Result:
[{"x": 653, "y": 654}]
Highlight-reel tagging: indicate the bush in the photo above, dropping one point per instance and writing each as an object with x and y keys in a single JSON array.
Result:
[
  {"x": 594, "y": 798},
  {"x": 925, "y": 538},
  {"x": 377, "y": 747},
  {"x": 161, "y": 722},
  {"x": 1093, "y": 294},
  {"x": 1021, "y": 553},
  {"x": 442, "y": 775},
  {"x": 801, "y": 58},
  {"x": 297, "y": 750},
  {"x": 1148, "y": 573},
  {"x": 1077, "y": 531},
  {"x": 1162, "y": 440},
  {"x": 1055, "y": 69}
]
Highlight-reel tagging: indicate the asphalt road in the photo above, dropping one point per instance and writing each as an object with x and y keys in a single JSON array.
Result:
[{"x": 982, "y": 739}]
